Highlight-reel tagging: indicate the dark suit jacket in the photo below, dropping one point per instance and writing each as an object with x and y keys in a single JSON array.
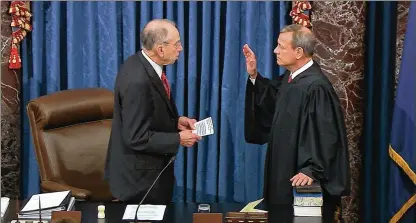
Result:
[{"x": 144, "y": 134}]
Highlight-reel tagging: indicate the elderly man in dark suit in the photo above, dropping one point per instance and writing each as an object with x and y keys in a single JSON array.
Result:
[{"x": 147, "y": 130}]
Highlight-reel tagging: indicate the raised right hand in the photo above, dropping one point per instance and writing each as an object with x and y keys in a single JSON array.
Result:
[
  {"x": 251, "y": 61},
  {"x": 188, "y": 138}
]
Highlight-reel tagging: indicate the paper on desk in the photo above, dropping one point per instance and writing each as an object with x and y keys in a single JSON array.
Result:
[
  {"x": 257, "y": 210},
  {"x": 48, "y": 200},
  {"x": 250, "y": 206},
  {"x": 4, "y": 205},
  {"x": 204, "y": 127},
  {"x": 145, "y": 212}
]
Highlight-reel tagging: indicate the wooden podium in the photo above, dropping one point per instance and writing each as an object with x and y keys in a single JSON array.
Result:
[
  {"x": 246, "y": 217},
  {"x": 207, "y": 218},
  {"x": 231, "y": 217},
  {"x": 66, "y": 216}
]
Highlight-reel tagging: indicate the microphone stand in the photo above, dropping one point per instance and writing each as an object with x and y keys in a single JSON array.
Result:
[
  {"x": 154, "y": 182},
  {"x": 17, "y": 209},
  {"x": 40, "y": 211}
]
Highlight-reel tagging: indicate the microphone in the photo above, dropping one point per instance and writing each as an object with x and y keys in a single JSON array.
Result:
[{"x": 154, "y": 182}]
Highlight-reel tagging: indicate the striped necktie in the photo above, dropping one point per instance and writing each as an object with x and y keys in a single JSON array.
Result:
[{"x": 166, "y": 84}]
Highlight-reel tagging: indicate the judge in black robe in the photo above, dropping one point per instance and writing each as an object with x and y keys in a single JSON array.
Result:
[{"x": 303, "y": 124}]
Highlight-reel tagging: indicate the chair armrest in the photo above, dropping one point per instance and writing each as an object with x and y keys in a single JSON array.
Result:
[{"x": 78, "y": 193}]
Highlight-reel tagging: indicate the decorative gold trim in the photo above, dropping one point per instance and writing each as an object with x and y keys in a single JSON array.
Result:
[
  {"x": 403, "y": 210},
  {"x": 411, "y": 174},
  {"x": 403, "y": 164}
]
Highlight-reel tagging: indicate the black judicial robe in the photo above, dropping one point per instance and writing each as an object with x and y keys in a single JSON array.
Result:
[{"x": 303, "y": 124}]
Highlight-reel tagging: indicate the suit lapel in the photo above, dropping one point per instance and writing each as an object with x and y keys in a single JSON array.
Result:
[{"x": 157, "y": 82}]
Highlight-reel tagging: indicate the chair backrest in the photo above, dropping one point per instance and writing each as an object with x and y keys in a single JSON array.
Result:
[{"x": 71, "y": 131}]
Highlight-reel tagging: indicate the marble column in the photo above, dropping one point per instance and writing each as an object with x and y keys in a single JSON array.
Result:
[
  {"x": 340, "y": 28},
  {"x": 403, "y": 11},
  {"x": 10, "y": 113}
]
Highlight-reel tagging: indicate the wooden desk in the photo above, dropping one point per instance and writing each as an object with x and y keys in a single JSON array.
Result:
[{"x": 175, "y": 212}]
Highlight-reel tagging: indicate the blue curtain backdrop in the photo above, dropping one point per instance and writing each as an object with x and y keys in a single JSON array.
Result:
[
  {"x": 402, "y": 188},
  {"x": 379, "y": 94},
  {"x": 82, "y": 44}
]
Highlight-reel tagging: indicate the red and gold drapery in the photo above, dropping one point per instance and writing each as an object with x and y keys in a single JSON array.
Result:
[
  {"x": 299, "y": 15},
  {"x": 20, "y": 12}
]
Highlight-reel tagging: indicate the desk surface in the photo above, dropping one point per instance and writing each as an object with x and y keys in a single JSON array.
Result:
[{"x": 175, "y": 212}]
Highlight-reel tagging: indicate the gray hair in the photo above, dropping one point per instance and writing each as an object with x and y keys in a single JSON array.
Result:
[
  {"x": 151, "y": 36},
  {"x": 305, "y": 40}
]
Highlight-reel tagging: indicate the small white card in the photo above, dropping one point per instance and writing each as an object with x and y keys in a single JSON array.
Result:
[
  {"x": 204, "y": 127},
  {"x": 4, "y": 205},
  {"x": 145, "y": 212}
]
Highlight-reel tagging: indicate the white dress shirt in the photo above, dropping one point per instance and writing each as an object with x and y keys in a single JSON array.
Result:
[
  {"x": 294, "y": 74},
  {"x": 303, "y": 68},
  {"x": 155, "y": 66}
]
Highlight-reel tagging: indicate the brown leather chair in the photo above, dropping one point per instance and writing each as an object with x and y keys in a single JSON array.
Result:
[{"x": 70, "y": 132}]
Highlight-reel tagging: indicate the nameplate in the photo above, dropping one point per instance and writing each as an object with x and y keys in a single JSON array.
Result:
[
  {"x": 66, "y": 216},
  {"x": 29, "y": 221},
  {"x": 207, "y": 218}
]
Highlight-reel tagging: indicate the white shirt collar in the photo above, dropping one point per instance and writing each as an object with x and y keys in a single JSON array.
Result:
[
  {"x": 155, "y": 66},
  {"x": 300, "y": 70}
]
